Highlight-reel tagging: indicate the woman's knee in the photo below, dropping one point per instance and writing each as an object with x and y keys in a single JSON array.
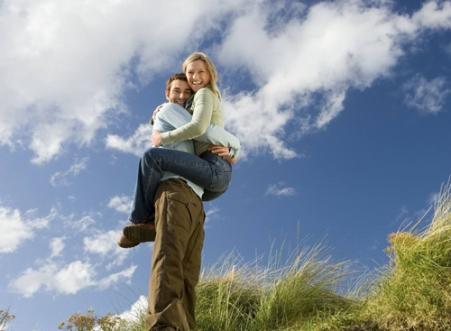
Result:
[{"x": 151, "y": 155}]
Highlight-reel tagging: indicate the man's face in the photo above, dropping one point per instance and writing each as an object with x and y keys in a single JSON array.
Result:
[{"x": 179, "y": 92}]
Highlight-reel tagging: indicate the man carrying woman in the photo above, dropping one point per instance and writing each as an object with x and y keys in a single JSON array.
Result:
[{"x": 171, "y": 181}]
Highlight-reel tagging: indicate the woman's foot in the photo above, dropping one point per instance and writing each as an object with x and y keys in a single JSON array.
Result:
[
  {"x": 124, "y": 242},
  {"x": 141, "y": 232}
]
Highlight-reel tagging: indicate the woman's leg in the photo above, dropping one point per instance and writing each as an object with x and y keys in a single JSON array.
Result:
[
  {"x": 222, "y": 180},
  {"x": 212, "y": 173},
  {"x": 149, "y": 175}
]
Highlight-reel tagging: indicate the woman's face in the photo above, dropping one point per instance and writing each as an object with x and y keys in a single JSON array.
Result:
[{"x": 197, "y": 75}]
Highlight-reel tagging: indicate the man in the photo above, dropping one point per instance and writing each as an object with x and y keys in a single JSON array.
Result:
[{"x": 178, "y": 228}]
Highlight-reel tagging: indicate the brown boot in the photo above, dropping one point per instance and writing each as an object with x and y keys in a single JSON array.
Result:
[
  {"x": 140, "y": 232},
  {"x": 124, "y": 242}
]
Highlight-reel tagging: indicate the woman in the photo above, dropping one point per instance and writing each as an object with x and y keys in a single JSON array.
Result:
[{"x": 211, "y": 170}]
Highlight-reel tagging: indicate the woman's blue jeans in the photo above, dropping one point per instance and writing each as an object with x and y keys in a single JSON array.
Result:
[{"x": 210, "y": 171}]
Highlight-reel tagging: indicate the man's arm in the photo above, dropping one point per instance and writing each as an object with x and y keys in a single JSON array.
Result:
[{"x": 175, "y": 116}]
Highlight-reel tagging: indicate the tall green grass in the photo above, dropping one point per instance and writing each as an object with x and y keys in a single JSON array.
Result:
[
  {"x": 246, "y": 297},
  {"x": 411, "y": 293},
  {"x": 415, "y": 291}
]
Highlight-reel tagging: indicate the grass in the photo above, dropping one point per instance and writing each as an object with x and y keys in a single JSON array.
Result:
[
  {"x": 249, "y": 298},
  {"x": 411, "y": 293}
]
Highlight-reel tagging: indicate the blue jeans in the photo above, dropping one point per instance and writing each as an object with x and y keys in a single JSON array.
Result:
[{"x": 210, "y": 171}]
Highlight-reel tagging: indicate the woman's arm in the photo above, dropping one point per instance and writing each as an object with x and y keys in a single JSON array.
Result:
[
  {"x": 176, "y": 116},
  {"x": 217, "y": 135},
  {"x": 201, "y": 118}
]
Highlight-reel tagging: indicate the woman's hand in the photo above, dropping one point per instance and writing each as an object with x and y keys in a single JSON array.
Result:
[
  {"x": 156, "y": 138},
  {"x": 222, "y": 152}
]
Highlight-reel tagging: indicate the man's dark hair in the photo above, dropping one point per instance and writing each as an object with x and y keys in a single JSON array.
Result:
[{"x": 177, "y": 76}]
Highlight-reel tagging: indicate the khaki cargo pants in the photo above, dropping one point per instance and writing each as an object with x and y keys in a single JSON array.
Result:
[{"x": 176, "y": 260}]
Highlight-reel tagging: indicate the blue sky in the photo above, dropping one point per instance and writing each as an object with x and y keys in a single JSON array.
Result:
[{"x": 343, "y": 110}]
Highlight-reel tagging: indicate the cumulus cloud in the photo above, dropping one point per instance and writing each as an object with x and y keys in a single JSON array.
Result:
[
  {"x": 66, "y": 65},
  {"x": 121, "y": 204},
  {"x": 104, "y": 244},
  {"x": 136, "y": 310},
  {"x": 280, "y": 189},
  {"x": 56, "y": 246},
  {"x": 65, "y": 279},
  {"x": 69, "y": 279},
  {"x": 62, "y": 178},
  {"x": 136, "y": 144},
  {"x": 426, "y": 96},
  {"x": 124, "y": 275},
  {"x": 212, "y": 213},
  {"x": 16, "y": 228},
  {"x": 312, "y": 60},
  {"x": 79, "y": 224},
  {"x": 55, "y": 274}
]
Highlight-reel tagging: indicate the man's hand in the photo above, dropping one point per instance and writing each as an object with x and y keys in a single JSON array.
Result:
[
  {"x": 156, "y": 138},
  {"x": 222, "y": 152}
]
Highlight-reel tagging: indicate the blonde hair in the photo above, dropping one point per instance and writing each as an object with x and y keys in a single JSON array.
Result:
[{"x": 210, "y": 67}]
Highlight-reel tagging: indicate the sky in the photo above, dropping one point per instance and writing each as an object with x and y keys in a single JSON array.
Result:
[{"x": 342, "y": 109}]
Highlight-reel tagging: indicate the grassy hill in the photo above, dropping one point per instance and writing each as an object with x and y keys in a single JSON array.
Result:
[{"x": 413, "y": 292}]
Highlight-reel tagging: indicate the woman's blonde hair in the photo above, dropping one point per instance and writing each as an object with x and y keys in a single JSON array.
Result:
[{"x": 210, "y": 67}]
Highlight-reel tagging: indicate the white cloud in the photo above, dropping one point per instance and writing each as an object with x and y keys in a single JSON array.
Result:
[
  {"x": 73, "y": 277},
  {"x": 66, "y": 64},
  {"x": 67, "y": 279},
  {"x": 427, "y": 96},
  {"x": 16, "y": 228},
  {"x": 121, "y": 204},
  {"x": 104, "y": 244},
  {"x": 124, "y": 275},
  {"x": 434, "y": 14},
  {"x": 136, "y": 144},
  {"x": 280, "y": 189},
  {"x": 81, "y": 224},
  {"x": 136, "y": 310},
  {"x": 61, "y": 178},
  {"x": 57, "y": 246},
  {"x": 335, "y": 46},
  {"x": 13, "y": 230},
  {"x": 58, "y": 276},
  {"x": 212, "y": 213}
]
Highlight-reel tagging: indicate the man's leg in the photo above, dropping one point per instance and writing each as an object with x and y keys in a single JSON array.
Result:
[
  {"x": 192, "y": 265},
  {"x": 179, "y": 214}
]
